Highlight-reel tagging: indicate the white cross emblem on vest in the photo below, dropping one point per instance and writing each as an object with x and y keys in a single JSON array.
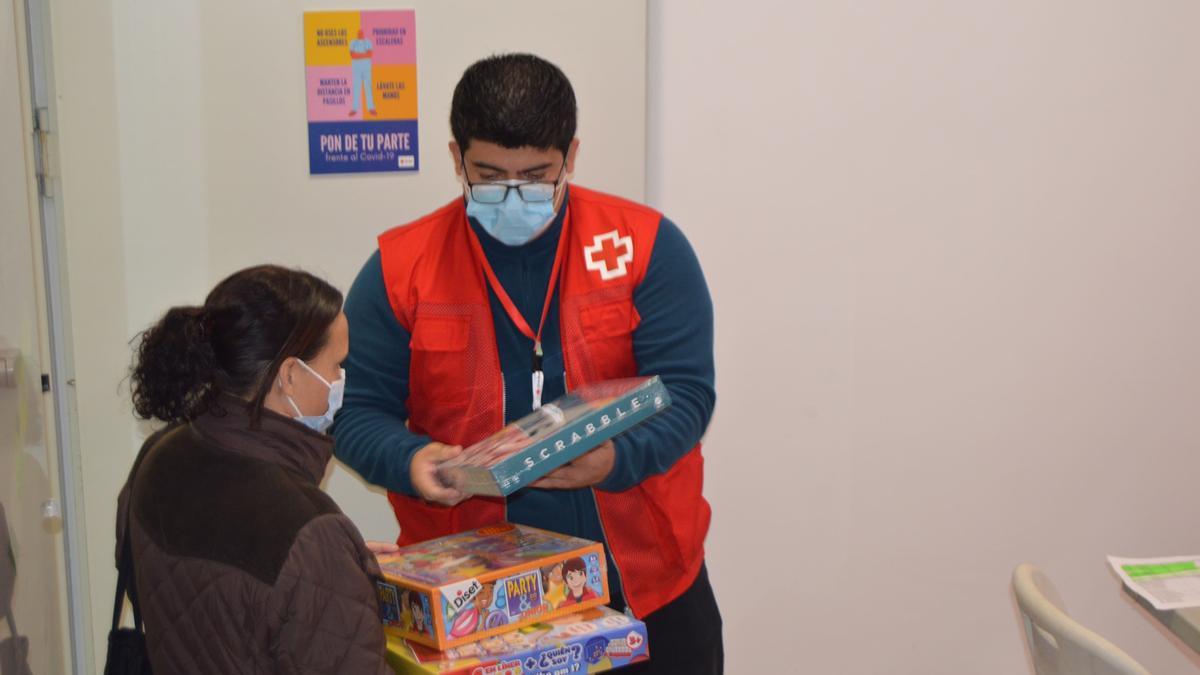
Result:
[{"x": 609, "y": 254}]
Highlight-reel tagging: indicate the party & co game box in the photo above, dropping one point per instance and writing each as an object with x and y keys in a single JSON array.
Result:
[{"x": 468, "y": 586}]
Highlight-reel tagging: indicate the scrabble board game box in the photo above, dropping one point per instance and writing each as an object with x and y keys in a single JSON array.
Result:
[
  {"x": 553, "y": 435},
  {"x": 469, "y": 586}
]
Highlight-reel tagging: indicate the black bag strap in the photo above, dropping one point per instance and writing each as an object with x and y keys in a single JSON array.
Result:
[{"x": 126, "y": 584}]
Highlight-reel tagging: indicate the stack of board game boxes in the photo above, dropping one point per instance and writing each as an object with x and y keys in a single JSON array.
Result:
[
  {"x": 510, "y": 599},
  {"x": 505, "y": 599}
]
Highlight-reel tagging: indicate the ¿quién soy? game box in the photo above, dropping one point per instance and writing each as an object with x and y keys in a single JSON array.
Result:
[
  {"x": 465, "y": 587},
  {"x": 593, "y": 640}
]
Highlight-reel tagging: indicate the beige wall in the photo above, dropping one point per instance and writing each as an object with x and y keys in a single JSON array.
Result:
[
  {"x": 184, "y": 158},
  {"x": 953, "y": 252},
  {"x": 86, "y": 123}
]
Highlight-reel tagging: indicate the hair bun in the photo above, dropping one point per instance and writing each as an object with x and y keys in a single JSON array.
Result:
[{"x": 173, "y": 366}]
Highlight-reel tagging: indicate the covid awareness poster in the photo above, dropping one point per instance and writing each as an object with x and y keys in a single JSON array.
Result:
[{"x": 361, "y": 69}]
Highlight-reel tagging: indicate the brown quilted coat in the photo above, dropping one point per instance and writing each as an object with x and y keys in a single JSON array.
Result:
[{"x": 242, "y": 564}]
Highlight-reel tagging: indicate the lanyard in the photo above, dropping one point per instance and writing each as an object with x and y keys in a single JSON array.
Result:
[{"x": 510, "y": 308}]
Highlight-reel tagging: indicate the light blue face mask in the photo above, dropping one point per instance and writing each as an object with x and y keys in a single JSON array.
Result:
[
  {"x": 337, "y": 389},
  {"x": 514, "y": 221}
]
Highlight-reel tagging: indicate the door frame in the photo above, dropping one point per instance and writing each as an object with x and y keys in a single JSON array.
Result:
[{"x": 61, "y": 433}]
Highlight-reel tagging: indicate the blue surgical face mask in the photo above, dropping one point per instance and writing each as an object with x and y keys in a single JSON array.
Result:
[
  {"x": 336, "y": 390},
  {"x": 513, "y": 222}
]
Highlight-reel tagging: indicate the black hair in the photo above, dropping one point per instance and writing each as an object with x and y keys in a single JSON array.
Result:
[
  {"x": 515, "y": 101},
  {"x": 233, "y": 344}
]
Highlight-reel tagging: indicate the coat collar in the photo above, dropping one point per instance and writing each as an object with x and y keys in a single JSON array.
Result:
[{"x": 277, "y": 439}]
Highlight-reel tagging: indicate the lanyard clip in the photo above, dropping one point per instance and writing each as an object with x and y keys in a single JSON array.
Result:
[{"x": 537, "y": 356}]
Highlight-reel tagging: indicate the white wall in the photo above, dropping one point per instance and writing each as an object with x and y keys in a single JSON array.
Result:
[
  {"x": 184, "y": 158},
  {"x": 952, "y": 247}
]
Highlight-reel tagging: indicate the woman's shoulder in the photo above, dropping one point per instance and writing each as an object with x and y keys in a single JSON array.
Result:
[{"x": 200, "y": 501}]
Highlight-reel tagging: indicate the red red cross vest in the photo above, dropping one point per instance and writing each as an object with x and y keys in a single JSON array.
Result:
[{"x": 439, "y": 293}]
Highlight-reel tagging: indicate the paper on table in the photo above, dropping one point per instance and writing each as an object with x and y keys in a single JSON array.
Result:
[{"x": 1167, "y": 583}]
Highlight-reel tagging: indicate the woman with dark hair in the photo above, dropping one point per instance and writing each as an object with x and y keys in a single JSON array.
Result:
[{"x": 242, "y": 564}]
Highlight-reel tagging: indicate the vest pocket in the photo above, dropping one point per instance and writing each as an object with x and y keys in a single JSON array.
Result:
[
  {"x": 438, "y": 360},
  {"x": 607, "y": 331},
  {"x": 612, "y": 319}
]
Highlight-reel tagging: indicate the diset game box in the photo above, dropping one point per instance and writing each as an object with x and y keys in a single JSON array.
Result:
[
  {"x": 553, "y": 435},
  {"x": 591, "y": 641},
  {"x": 466, "y": 587}
]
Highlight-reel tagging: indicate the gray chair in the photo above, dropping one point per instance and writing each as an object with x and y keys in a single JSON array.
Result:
[{"x": 1058, "y": 644}]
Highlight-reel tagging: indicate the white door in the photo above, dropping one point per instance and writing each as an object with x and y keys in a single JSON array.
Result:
[{"x": 32, "y": 573}]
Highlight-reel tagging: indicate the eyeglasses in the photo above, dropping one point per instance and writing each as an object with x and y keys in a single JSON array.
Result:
[{"x": 496, "y": 192}]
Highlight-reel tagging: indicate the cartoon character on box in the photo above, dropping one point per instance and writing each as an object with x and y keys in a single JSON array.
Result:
[
  {"x": 417, "y": 605},
  {"x": 483, "y": 605},
  {"x": 482, "y": 614},
  {"x": 555, "y": 587},
  {"x": 575, "y": 574}
]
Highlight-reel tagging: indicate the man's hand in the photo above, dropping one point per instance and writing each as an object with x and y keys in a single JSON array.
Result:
[
  {"x": 583, "y": 471},
  {"x": 423, "y": 471}
]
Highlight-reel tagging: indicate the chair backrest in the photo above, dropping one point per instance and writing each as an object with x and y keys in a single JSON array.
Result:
[{"x": 1058, "y": 644}]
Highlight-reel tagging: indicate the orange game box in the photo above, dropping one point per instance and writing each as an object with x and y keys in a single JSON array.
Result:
[{"x": 469, "y": 586}]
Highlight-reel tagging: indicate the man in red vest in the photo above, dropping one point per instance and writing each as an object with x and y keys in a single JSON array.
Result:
[{"x": 510, "y": 295}]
